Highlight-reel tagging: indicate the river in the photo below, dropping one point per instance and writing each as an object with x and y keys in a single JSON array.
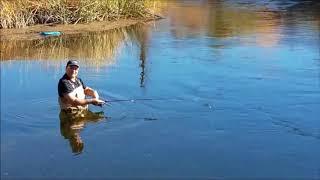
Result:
[{"x": 228, "y": 89}]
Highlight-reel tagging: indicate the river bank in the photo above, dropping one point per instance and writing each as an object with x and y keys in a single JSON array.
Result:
[{"x": 33, "y": 32}]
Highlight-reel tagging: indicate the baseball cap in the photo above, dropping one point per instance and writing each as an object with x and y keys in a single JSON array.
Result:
[{"x": 72, "y": 63}]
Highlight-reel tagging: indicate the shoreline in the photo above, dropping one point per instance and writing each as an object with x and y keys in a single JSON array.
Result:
[{"x": 33, "y": 32}]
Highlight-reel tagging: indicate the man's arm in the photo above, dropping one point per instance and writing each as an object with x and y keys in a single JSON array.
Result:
[{"x": 76, "y": 101}]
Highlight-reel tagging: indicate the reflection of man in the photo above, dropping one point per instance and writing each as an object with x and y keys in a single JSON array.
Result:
[
  {"x": 72, "y": 91},
  {"x": 70, "y": 127}
]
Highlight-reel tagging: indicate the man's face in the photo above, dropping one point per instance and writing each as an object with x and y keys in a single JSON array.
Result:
[{"x": 72, "y": 71}]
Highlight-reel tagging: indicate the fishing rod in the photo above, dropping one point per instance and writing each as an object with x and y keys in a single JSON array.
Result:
[{"x": 139, "y": 99}]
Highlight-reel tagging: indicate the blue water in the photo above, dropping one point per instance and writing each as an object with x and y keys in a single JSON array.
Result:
[{"x": 236, "y": 99}]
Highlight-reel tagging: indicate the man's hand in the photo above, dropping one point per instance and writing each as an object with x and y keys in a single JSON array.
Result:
[{"x": 97, "y": 102}]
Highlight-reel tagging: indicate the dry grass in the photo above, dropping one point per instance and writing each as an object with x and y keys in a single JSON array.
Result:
[{"x": 22, "y": 13}]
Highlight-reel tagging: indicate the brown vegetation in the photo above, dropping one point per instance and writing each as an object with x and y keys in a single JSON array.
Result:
[{"x": 22, "y": 13}]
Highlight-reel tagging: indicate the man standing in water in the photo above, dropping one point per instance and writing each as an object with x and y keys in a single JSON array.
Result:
[{"x": 73, "y": 92}]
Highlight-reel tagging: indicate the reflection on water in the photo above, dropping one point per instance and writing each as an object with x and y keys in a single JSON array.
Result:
[
  {"x": 212, "y": 18},
  {"x": 93, "y": 49},
  {"x": 71, "y": 126},
  {"x": 142, "y": 39},
  {"x": 224, "y": 19}
]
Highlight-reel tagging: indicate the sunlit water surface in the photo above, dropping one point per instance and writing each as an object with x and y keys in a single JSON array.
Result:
[{"x": 235, "y": 88}]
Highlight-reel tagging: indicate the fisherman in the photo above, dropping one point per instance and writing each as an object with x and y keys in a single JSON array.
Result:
[{"x": 72, "y": 92}]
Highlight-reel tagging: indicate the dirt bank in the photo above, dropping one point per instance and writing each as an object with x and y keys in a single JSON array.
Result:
[{"x": 33, "y": 32}]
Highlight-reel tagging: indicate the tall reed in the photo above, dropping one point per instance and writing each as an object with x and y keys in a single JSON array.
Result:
[{"x": 22, "y": 13}]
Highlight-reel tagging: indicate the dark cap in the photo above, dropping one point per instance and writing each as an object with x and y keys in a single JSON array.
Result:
[{"x": 72, "y": 63}]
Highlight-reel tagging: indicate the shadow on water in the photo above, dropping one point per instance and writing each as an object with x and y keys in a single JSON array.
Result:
[{"x": 72, "y": 124}]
